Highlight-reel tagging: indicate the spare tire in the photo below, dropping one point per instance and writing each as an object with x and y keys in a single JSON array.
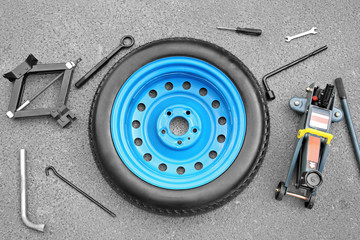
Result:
[{"x": 145, "y": 159}]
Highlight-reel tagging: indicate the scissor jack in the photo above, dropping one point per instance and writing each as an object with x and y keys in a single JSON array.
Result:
[
  {"x": 313, "y": 140},
  {"x": 30, "y": 66}
]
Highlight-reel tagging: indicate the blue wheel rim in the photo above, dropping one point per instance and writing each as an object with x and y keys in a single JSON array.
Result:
[{"x": 166, "y": 89}]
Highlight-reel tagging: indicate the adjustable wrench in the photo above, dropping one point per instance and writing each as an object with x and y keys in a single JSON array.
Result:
[{"x": 311, "y": 31}]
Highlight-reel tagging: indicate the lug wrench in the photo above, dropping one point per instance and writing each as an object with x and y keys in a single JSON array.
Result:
[
  {"x": 27, "y": 222},
  {"x": 342, "y": 94},
  {"x": 270, "y": 95},
  {"x": 97, "y": 67}
]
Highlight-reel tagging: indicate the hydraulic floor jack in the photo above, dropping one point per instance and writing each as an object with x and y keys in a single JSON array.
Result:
[{"x": 313, "y": 141}]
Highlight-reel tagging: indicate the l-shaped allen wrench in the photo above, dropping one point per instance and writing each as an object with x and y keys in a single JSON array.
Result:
[{"x": 24, "y": 218}]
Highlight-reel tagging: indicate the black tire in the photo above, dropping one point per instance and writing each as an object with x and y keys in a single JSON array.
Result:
[
  {"x": 196, "y": 200},
  {"x": 280, "y": 191},
  {"x": 310, "y": 203}
]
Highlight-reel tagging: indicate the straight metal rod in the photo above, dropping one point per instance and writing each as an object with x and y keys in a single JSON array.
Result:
[
  {"x": 342, "y": 95},
  {"x": 46, "y": 87},
  {"x": 27, "y": 102},
  {"x": 226, "y": 28},
  {"x": 352, "y": 132},
  {"x": 297, "y": 196}
]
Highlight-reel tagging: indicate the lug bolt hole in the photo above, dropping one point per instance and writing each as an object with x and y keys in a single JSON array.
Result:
[
  {"x": 195, "y": 130},
  {"x": 163, "y": 131},
  {"x": 162, "y": 167},
  {"x": 213, "y": 154},
  {"x": 222, "y": 121},
  {"x": 203, "y": 91},
  {"x": 169, "y": 86},
  {"x": 147, "y": 157},
  {"x": 198, "y": 166},
  {"x": 180, "y": 170},
  {"x": 138, "y": 141},
  {"x": 179, "y": 142},
  {"x": 168, "y": 113},
  {"x": 186, "y": 85},
  {"x": 215, "y": 104},
  {"x": 221, "y": 138},
  {"x": 141, "y": 107},
  {"x": 153, "y": 94},
  {"x": 187, "y": 112},
  {"x": 136, "y": 124}
]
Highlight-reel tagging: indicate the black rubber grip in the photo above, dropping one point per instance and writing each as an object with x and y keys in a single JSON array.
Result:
[
  {"x": 249, "y": 31},
  {"x": 340, "y": 88}
]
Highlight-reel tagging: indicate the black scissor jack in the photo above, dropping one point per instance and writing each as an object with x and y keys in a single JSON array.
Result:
[{"x": 18, "y": 76}]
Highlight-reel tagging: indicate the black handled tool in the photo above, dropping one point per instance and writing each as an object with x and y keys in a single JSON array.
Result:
[
  {"x": 124, "y": 43},
  {"x": 247, "y": 31},
  {"x": 342, "y": 94},
  {"x": 270, "y": 95}
]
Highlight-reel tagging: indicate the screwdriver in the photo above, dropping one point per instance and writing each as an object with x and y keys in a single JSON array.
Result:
[{"x": 247, "y": 31}]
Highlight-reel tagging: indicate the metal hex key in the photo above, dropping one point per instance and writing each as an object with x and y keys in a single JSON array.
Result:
[
  {"x": 78, "y": 189},
  {"x": 24, "y": 218}
]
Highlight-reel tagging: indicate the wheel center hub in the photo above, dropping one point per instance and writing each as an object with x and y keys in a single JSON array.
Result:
[{"x": 170, "y": 130}]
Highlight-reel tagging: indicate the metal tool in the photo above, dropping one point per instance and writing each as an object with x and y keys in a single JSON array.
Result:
[
  {"x": 247, "y": 31},
  {"x": 60, "y": 112},
  {"x": 78, "y": 189},
  {"x": 27, "y": 102},
  {"x": 270, "y": 95},
  {"x": 125, "y": 42},
  {"x": 313, "y": 141},
  {"x": 311, "y": 31},
  {"x": 342, "y": 94},
  {"x": 27, "y": 222}
]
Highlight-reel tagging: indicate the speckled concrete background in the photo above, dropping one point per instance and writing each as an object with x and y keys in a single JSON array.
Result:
[{"x": 58, "y": 31}]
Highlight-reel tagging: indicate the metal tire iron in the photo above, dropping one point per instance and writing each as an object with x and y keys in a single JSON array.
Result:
[
  {"x": 78, "y": 189},
  {"x": 61, "y": 113},
  {"x": 343, "y": 99},
  {"x": 27, "y": 222},
  {"x": 124, "y": 43},
  {"x": 313, "y": 140},
  {"x": 270, "y": 95}
]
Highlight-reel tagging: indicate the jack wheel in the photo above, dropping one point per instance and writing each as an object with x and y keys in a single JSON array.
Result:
[
  {"x": 280, "y": 191},
  {"x": 310, "y": 203}
]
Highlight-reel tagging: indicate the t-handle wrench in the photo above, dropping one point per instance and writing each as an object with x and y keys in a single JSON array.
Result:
[
  {"x": 311, "y": 31},
  {"x": 124, "y": 43}
]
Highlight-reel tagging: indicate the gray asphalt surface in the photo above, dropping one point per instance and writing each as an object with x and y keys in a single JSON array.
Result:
[{"x": 59, "y": 31}]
